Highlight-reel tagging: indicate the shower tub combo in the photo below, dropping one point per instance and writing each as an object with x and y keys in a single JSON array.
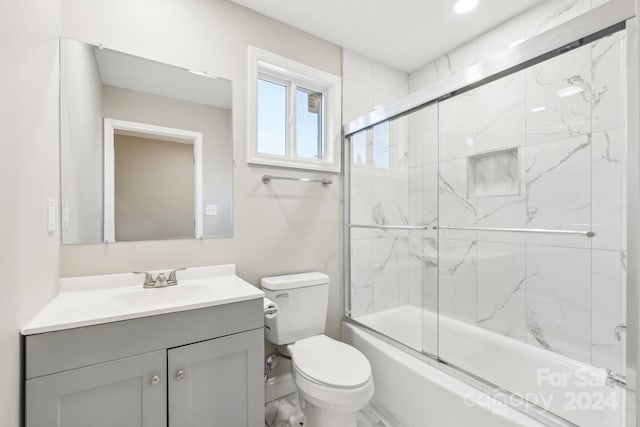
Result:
[{"x": 486, "y": 268}]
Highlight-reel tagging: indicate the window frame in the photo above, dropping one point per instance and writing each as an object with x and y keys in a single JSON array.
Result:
[{"x": 268, "y": 66}]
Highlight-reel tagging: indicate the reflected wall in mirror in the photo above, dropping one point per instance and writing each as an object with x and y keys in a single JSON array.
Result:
[{"x": 146, "y": 149}]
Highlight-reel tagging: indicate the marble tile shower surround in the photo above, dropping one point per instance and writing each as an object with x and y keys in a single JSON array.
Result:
[
  {"x": 367, "y": 83},
  {"x": 561, "y": 293},
  {"x": 538, "y": 19}
]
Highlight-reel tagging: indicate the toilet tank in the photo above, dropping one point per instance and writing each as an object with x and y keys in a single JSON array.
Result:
[{"x": 302, "y": 301}]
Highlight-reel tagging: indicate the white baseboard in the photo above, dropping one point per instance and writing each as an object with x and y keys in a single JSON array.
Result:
[{"x": 278, "y": 387}]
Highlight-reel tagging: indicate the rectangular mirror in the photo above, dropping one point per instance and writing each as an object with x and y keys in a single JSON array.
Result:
[{"x": 146, "y": 149}]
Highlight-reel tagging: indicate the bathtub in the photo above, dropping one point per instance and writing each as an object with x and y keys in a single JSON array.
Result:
[{"x": 413, "y": 392}]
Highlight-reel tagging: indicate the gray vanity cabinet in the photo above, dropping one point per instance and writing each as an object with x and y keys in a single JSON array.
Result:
[
  {"x": 194, "y": 368},
  {"x": 216, "y": 380},
  {"x": 129, "y": 392}
]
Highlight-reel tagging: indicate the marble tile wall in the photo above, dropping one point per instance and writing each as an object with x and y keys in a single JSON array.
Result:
[
  {"x": 565, "y": 120},
  {"x": 561, "y": 293},
  {"x": 381, "y": 192},
  {"x": 367, "y": 83},
  {"x": 393, "y": 168},
  {"x": 540, "y": 18}
]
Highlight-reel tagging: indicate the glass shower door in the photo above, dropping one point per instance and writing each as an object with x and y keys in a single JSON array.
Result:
[
  {"x": 423, "y": 202},
  {"x": 393, "y": 250},
  {"x": 531, "y": 166},
  {"x": 488, "y": 230}
]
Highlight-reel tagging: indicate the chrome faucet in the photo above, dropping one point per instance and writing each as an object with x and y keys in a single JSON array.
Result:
[
  {"x": 161, "y": 280},
  {"x": 172, "y": 280},
  {"x": 618, "y": 330},
  {"x": 614, "y": 379}
]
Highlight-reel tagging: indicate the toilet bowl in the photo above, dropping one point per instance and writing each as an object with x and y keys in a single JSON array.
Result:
[{"x": 333, "y": 379}]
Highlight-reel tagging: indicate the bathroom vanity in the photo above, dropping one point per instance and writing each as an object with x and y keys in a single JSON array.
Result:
[{"x": 108, "y": 353}]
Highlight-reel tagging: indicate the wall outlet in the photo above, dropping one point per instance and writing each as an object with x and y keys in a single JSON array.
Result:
[{"x": 211, "y": 210}]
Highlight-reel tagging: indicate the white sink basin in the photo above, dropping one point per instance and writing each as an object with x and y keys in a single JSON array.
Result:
[
  {"x": 93, "y": 300},
  {"x": 159, "y": 296}
]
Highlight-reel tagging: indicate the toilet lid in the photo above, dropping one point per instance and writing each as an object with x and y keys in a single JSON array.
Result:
[{"x": 330, "y": 362}]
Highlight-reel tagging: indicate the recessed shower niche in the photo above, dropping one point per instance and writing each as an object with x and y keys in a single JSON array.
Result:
[{"x": 494, "y": 173}]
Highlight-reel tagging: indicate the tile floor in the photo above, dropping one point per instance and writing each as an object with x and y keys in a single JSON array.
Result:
[{"x": 285, "y": 412}]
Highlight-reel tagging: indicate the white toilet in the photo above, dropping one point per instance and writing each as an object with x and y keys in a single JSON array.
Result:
[{"x": 333, "y": 379}]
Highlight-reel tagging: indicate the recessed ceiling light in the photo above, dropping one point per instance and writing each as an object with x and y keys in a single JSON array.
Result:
[
  {"x": 537, "y": 109},
  {"x": 464, "y": 6}
]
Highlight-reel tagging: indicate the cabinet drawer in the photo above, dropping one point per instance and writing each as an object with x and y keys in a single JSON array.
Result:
[{"x": 59, "y": 351}]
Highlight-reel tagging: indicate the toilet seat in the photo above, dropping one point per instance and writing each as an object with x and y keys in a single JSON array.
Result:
[{"x": 331, "y": 363}]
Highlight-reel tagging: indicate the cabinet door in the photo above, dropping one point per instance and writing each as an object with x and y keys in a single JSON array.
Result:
[
  {"x": 218, "y": 382},
  {"x": 129, "y": 392}
]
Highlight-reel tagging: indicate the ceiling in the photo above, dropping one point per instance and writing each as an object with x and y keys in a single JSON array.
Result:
[
  {"x": 404, "y": 34},
  {"x": 143, "y": 75}
]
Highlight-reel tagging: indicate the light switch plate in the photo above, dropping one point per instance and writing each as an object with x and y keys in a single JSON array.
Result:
[
  {"x": 51, "y": 216},
  {"x": 211, "y": 210}
]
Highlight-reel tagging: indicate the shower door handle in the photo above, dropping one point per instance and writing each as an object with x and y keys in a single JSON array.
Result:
[{"x": 390, "y": 227}]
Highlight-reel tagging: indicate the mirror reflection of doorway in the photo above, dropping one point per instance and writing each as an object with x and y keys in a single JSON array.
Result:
[
  {"x": 152, "y": 182},
  {"x": 154, "y": 189}
]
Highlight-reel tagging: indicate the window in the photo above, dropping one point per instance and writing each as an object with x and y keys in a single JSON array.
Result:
[
  {"x": 308, "y": 123},
  {"x": 381, "y": 145},
  {"x": 294, "y": 114},
  {"x": 272, "y": 117},
  {"x": 359, "y": 148}
]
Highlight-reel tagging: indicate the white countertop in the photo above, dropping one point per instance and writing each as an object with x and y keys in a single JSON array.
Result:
[{"x": 93, "y": 300}]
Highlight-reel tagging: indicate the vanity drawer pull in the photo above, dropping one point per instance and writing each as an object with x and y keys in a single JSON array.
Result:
[
  {"x": 155, "y": 380},
  {"x": 179, "y": 375}
]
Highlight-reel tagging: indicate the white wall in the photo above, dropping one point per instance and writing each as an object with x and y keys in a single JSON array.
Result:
[
  {"x": 634, "y": 398},
  {"x": 282, "y": 228},
  {"x": 29, "y": 256}
]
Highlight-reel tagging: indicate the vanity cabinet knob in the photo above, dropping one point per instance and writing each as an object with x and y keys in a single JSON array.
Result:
[
  {"x": 155, "y": 380},
  {"x": 179, "y": 375}
]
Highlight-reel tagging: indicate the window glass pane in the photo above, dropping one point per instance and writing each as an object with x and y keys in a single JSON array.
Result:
[
  {"x": 272, "y": 118},
  {"x": 359, "y": 148},
  {"x": 381, "y": 145},
  {"x": 308, "y": 124}
]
